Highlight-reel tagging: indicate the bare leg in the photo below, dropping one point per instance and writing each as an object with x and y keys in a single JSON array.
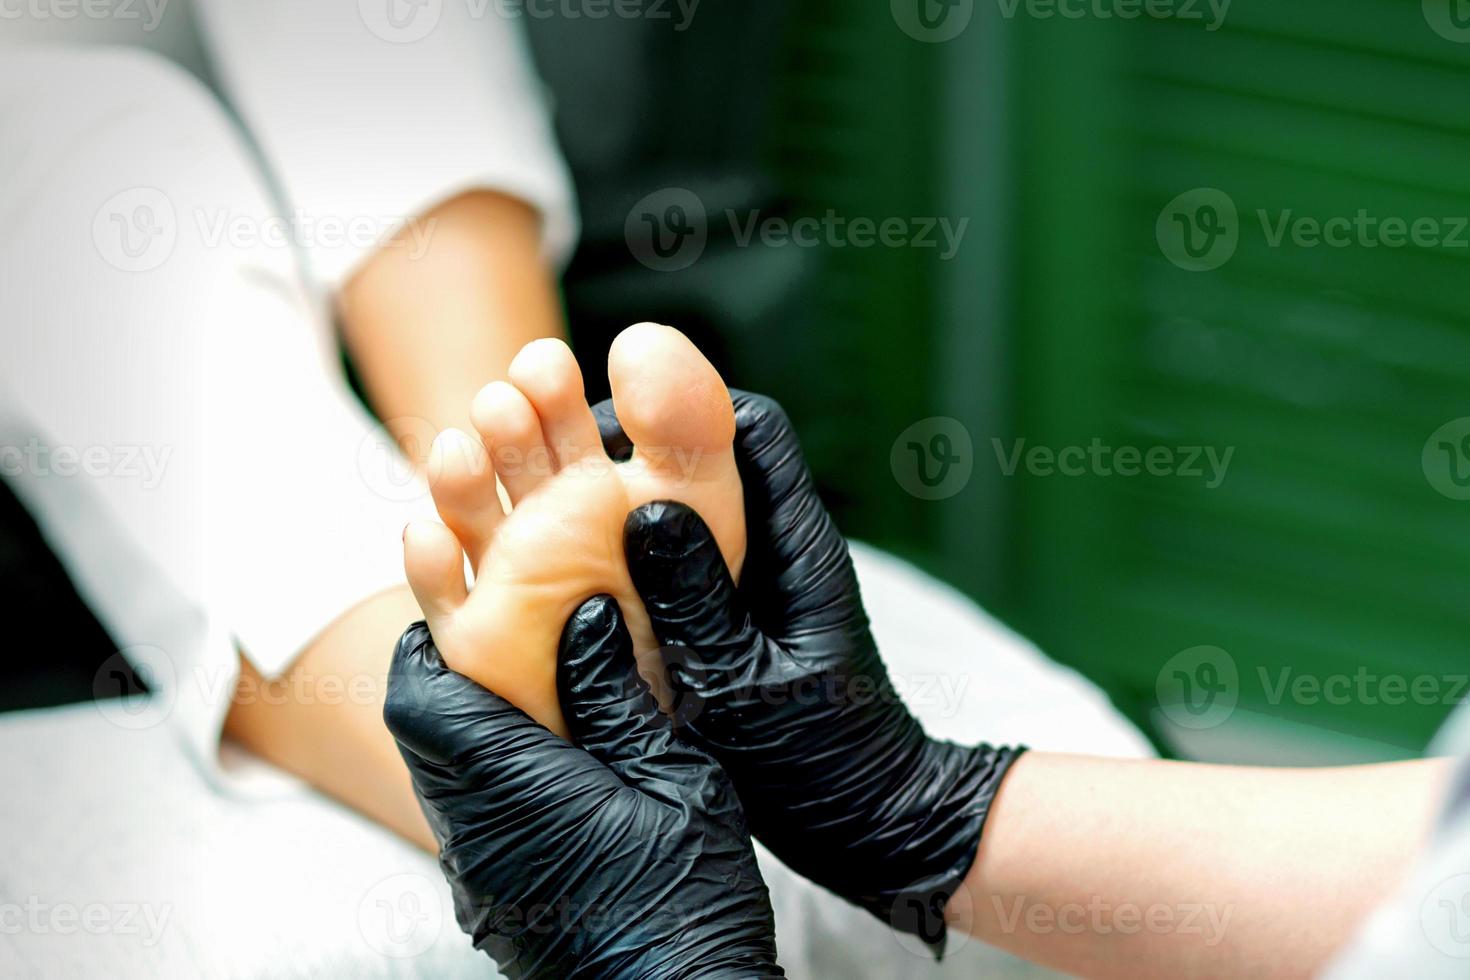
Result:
[{"x": 323, "y": 719}]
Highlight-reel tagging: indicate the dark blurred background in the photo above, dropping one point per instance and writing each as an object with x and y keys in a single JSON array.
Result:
[{"x": 1331, "y": 548}]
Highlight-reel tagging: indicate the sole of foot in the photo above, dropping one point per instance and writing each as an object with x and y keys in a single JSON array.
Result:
[{"x": 560, "y": 542}]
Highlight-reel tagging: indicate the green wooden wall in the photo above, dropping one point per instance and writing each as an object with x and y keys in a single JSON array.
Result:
[
  {"x": 1326, "y": 559},
  {"x": 1326, "y": 552}
]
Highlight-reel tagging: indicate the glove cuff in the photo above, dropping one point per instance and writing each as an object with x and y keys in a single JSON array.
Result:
[{"x": 944, "y": 843}]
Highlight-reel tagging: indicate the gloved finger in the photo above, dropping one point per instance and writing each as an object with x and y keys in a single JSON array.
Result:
[
  {"x": 444, "y": 717},
  {"x": 609, "y": 708},
  {"x": 613, "y": 716},
  {"x": 686, "y": 586},
  {"x": 614, "y": 440}
]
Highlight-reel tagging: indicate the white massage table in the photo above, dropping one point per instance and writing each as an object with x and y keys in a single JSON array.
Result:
[{"x": 122, "y": 860}]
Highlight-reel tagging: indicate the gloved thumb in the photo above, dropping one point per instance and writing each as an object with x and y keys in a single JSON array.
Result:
[
  {"x": 687, "y": 589},
  {"x": 612, "y": 714},
  {"x": 440, "y": 715},
  {"x": 610, "y": 711}
]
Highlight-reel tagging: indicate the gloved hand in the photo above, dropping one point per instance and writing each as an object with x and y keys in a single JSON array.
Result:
[
  {"x": 782, "y": 682},
  {"x": 623, "y": 856}
]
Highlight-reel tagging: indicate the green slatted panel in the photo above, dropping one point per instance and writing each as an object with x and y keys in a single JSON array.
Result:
[
  {"x": 1326, "y": 549},
  {"x": 854, "y": 134}
]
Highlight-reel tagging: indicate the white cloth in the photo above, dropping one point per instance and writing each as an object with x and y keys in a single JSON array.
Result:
[
  {"x": 371, "y": 121},
  {"x": 1422, "y": 929},
  {"x": 114, "y": 816},
  {"x": 172, "y": 408},
  {"x": 173, "y": 412},
  {"x": 366, "y": 112}
]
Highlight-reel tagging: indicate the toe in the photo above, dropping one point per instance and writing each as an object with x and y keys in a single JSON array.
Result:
[
  {"x": 547, "y": 373},
  {"x": 511, "y": 432},
  {"x": 434, "y": 564},
  {"x": 668, "y": 396},
  {"x": 464, "y": 491},
  {"x": 679, "y": 416}
]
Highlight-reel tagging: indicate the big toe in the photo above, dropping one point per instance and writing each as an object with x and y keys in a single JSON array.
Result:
[
  {"x": 667, "y": 395},
  {"x": 678, "y": 414}
]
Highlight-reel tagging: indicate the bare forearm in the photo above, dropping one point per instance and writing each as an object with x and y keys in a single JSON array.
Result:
[
  {"x": 1112, "y": 868},
  {"x": 431, "y": 322}
]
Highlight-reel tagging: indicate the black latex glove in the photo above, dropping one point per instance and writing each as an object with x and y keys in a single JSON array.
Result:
[
  {"x": 623, "y": 856},
  {"x": 781, "y": 681}
]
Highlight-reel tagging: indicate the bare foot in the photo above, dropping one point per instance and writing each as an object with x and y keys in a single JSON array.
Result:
[{"x": 562, "y": 541}]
